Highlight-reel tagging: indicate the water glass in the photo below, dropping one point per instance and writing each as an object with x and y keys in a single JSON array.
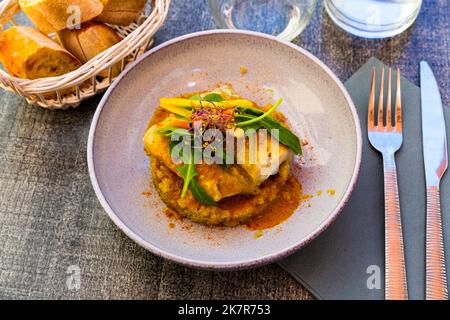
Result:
[
  {"x": 373, "y": 18},
  {"x": 285, "y": 19}
]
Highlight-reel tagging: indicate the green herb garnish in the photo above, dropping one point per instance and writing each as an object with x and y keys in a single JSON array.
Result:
[
  {"x": 261, "y": 117},
  {"x": 168, "y": 131},
  {"x": 200, "y": 194},
  {"x": 253, "y": 118},
  {"x": 188, "y": 172},
  {"x": 213, "y": 97}
]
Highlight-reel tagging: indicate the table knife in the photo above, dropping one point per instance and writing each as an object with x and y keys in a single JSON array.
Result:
[{"x": 436, "y": 162}]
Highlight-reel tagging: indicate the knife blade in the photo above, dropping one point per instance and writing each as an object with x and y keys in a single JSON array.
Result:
[
  {"x": 433, "y": 127},
  {"x": 436, "y": 162}
]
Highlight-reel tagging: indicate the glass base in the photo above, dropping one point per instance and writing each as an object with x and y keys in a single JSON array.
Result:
[
  {"x": 378, "y": 19},
  {"x": 284, "y": 19}
]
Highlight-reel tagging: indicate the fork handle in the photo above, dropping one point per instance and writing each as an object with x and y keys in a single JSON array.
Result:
[
  {"x": 436, "y": 280},
  {"x": 395, "y": 273}
]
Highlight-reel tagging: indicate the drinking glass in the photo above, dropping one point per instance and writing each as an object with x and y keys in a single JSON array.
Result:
[
  {"x": 373, "y": 18},
  {"x": 285, "y": 19}
]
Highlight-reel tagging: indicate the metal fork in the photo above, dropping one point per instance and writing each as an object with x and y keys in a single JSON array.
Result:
[{"x": 386, "y": 136}]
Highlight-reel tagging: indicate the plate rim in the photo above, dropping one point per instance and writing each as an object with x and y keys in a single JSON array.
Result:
[{"x": 242, "y": 264}]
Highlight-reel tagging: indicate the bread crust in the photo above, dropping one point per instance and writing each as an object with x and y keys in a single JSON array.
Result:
[
  {"x": 121, "y": 12},
  {"x": 27, "y": 53},
  {"x": 87, "y": 42},
  {"x": 55, "y": 15}
]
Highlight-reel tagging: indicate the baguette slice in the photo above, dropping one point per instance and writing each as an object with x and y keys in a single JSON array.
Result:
[
  {"x": 27, "y": 53},
  {"x": 87, "y": 42},
  {"x": 54, "y": 15},
  {"x": 121, "y": 12}
]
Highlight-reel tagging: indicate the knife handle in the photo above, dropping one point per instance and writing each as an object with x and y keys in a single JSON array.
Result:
[
  {"x": 395, "y": 272},
  {"x": 436, "y": 280}
]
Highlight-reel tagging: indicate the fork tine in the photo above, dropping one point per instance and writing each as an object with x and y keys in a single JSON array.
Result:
[
  {"x": 380, "y": 100},
  {"x": 398, "y": 103},
  {"x": 371, "y": 113},
  {"x": 388, "y": 106}
]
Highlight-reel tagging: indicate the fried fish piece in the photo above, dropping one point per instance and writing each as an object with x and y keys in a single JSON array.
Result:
[
  {"x": 218, "y": 181},
  {"x": 266, "y": 159}
]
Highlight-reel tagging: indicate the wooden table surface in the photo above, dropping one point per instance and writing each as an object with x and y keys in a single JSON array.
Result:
[{"x": 50, "y": 218}]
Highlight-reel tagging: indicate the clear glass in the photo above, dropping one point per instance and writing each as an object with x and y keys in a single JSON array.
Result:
[
  {"x": 285, "y": 19},
  {"x": 373, "y": 18}
]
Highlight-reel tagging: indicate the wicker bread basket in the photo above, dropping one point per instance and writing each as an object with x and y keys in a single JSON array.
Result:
[{"x": 83, "y": 83}]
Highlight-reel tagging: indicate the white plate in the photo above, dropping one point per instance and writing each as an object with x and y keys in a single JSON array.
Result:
[{"x": 315, "y": 101}]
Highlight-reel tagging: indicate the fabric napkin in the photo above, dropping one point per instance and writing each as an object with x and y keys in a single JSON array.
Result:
[{"x": 342, "y": 261}]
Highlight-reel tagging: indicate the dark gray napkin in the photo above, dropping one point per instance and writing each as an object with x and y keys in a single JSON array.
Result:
[{"x": 338, "y": 264}]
